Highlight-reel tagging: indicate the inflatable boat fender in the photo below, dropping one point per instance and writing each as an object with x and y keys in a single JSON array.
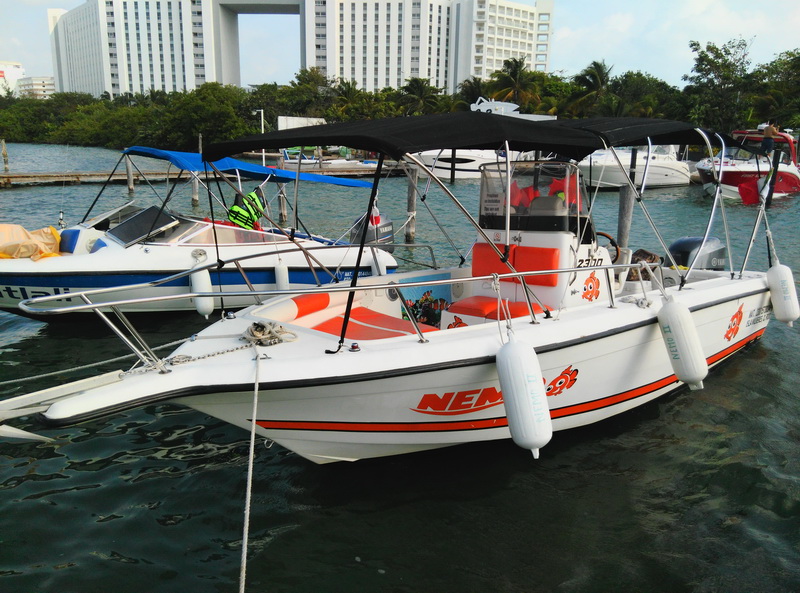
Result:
[
  {"x": 783, "y": 293},
  {"x": 201, "y": 282},
  {"x": 683, "y": 343},
  {"x": 524, "y": 395},
  {"x": 281, "y": 276}
]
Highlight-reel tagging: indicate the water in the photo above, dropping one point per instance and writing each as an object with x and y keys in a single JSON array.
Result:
[{"x": 699, "y": 491}]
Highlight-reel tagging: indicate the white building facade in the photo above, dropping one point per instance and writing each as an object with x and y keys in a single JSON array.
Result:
[
  {"x": 10, "y": 74},
  {"x": 36, "y": 87},
  {"x": 383, "y": 43},
  {"x": 132, "y": 46}
]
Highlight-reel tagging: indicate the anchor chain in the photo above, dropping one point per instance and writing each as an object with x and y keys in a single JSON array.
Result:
[{"x": 259, "y": 334}]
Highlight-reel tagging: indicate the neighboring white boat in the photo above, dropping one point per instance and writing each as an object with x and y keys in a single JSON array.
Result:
[
  {"x": 661, "y": 164},
  {"x": 465, "y": 163},
  {"x": 292, "y": 158},
  {"x": 131, "y": 245},
  {"x": 541, "y": 332},
  {"x": 460, "y": 164},
  {"x": 744, "y": 164}
]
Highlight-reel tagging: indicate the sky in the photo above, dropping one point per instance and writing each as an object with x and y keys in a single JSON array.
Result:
[{"x": 651, "y": 36}]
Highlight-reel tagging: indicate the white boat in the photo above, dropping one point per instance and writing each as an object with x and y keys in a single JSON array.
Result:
[
  {"x": 744, "y": 165},
  {"x": 132, "y": 245},
  {"x": 465, "y": 163},
  {"x": 660, "y": 163},
  {"x": 292, "y": 158},
  {"x": 460, "y": 164},
  {"x": 543, "y": 331}
]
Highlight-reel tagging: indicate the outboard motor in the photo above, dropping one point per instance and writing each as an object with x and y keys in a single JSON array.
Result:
[
  {"x": 380, "y": 230},
  {"x": 712, "y": 256}
]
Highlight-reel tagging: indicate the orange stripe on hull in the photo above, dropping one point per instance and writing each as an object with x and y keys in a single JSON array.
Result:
[{"x": 386, "y": 426}]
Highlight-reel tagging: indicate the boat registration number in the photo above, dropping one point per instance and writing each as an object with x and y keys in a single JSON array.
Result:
[{"x": 590, "y": 262}]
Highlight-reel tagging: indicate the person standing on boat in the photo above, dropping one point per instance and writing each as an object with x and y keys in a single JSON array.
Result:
[
  {"x": 770, "y": 133},
  {"x": 246, "y": 210}
]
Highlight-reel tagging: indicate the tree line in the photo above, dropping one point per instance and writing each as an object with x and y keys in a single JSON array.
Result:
[{"x": 722, "y": 93}]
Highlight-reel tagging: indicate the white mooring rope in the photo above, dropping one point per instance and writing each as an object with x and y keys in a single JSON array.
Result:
[{"x": 248, "y": 493}]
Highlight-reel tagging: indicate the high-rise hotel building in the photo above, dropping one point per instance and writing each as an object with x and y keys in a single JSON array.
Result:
[
  {"x": 383, "y": 43},
  {"x": 120, "y": 46}
]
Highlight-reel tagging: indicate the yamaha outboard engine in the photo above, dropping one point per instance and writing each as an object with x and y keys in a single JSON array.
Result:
[
  {"x": 380, "y": 233},
  {"x": 712, "y": 256}
]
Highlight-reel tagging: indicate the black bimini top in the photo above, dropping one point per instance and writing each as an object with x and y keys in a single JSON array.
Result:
[{"x": 396, "y": 137}]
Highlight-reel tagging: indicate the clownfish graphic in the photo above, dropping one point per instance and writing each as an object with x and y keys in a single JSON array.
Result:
[
  {"x": 733, "y": 326},
  {"x": 564, "y": 381},
  {"x": 591, "y": 288},
  {"x": 457, "y": 322}
]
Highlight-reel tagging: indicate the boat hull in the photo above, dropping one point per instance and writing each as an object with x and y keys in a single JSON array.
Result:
[
  {"x": 382, "y": 417},
  {"x": 111, "y": 267},
  {"x": 734, "y": 175},
  {"x": 464, "y": 165},
  {"x": 605, "y": 174},
  {"x": 397, "y": 395}
]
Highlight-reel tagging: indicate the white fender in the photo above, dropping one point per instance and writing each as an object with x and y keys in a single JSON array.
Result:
[
  {"x": 201, "y": 282},
  {"x": 281, "y": 276},
  {"x": 683, "y": 343},
  {"x": 783, "y": 293},
  {"x": 524, "y": 395}
]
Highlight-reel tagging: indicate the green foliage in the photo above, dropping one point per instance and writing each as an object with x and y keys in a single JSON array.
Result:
[
  {"x": 516, "y": 84},
  {"x": 27, "y": 120},
  {"x": 472, "y": 89},
  {"x": 722, "y": 94},
  {"x": 592, "y": 84},
  {"x": 418, "y": 97},
  {"x": 720, "y": 85}
]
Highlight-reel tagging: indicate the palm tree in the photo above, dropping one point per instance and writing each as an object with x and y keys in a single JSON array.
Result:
[
  {"x": 594, "y": 81},
  {"x": 451, "y": 103},
  {"x": 515, "y": 83},
  {"x": 417, "y": 96},
  {"x": 472, "y": 89},
  {"x": 348, "y": 100}
]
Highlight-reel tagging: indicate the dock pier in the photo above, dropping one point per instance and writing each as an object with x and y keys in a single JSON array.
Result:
[{"x": 8, "y": 179}]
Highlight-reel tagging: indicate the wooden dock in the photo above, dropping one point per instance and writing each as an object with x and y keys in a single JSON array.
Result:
[{"x": 8, "y": 180}]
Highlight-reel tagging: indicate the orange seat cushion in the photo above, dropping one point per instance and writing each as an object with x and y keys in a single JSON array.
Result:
[
  {"x": 486, "y": 262},
  {"x": 486, "y": 307},
  {"x": 515, "y": 309},
  {"x": 531, "y": 259},
  {"x": 366, "y": 324}
]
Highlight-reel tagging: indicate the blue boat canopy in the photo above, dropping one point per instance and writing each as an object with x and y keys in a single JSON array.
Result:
[{"x": 193, "y": 161}]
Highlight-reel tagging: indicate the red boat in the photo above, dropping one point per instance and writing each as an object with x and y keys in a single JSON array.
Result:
[{"x": 740, "y": 165}]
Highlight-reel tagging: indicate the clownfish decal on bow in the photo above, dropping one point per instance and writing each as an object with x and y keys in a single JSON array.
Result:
[
  {"x": 591, "y": 288},
  {"x": 735, "y": 322}
]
